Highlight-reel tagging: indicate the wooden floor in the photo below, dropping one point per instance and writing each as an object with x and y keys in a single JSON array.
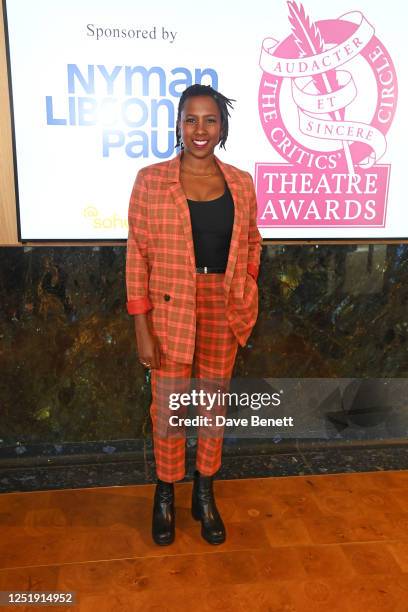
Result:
[{"x": 301, "y": 543}]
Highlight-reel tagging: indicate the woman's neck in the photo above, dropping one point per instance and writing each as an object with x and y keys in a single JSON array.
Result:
[{"x": 196, "y": 165}]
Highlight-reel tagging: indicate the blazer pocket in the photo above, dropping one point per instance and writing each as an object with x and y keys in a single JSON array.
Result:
[
  {"x": 243, "y": 312},
  {"x": 250, "y": 290},
  {"x": 247, "y": 305}
]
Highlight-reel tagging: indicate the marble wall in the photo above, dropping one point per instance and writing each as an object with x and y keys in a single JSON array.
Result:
[{"x": 69, "y": 370}]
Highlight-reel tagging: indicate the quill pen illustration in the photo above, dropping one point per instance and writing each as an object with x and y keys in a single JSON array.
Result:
[{"x": 309, "y": 41}]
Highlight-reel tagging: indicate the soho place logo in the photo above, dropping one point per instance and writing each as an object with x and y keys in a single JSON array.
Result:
[{"x": 327, "y": 99}]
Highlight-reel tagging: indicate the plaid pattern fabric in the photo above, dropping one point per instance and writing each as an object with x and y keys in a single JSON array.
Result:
[
  {"x": 160, "y": 261},
  {"x": 213, "y": 362}
]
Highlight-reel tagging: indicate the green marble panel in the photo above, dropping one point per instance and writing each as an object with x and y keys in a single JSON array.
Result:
[{"x": 68, "y": 363}]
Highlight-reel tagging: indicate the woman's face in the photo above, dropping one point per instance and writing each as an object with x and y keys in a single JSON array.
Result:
[{"x": 200, "y": 126}]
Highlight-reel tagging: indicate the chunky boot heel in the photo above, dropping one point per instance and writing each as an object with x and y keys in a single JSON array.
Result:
[
  {"x": 204, "y": 509},
  {"x": 163, "y": 521}
]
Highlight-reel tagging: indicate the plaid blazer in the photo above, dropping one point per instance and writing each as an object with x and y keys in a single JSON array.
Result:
[{"x": 160, "y": 260}]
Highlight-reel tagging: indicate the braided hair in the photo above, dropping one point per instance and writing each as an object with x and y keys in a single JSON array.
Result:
[{"x": 222, "y": 102}]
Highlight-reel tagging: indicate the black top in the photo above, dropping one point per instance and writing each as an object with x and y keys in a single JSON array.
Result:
[{"x": 211, "y": 223}]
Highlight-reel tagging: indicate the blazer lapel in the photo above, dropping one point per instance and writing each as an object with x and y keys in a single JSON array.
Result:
[
  {"x": 181, "y": 205},
  {"x": 232, "y": 182}
]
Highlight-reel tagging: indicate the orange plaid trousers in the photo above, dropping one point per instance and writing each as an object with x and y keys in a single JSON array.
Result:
[{"x": 214, "y": 357}]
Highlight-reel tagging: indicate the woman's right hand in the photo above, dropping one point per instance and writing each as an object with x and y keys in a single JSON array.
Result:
[{"x": 147, "y": 345}]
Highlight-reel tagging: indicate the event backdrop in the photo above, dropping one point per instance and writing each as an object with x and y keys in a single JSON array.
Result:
[{"x": 96, "y": 84}]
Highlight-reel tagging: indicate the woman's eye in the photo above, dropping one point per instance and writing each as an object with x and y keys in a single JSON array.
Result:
[{"x": 190, "y": 120}]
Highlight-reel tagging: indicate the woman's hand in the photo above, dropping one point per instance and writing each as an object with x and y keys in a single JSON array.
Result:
[{"x": 147, "y": 345}]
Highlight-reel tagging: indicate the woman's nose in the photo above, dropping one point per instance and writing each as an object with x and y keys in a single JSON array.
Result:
[{"x": 200, "y": 126}]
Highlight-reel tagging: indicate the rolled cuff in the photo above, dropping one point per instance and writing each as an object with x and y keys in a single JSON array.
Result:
[
  {"x": 253, "y": 270},
  {"x": 139, "y": 306}
]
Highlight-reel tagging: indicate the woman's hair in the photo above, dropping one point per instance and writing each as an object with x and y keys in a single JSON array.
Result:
[{"x": 222, "y": 102}]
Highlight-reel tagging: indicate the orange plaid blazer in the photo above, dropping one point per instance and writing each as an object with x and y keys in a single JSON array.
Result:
[{"x": 160, "y": 260}]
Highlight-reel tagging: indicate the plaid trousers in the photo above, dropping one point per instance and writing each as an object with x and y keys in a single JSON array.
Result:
[{"x": 214, "y": 357}]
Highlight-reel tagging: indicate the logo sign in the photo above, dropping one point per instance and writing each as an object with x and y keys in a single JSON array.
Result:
[{"x": 327, "y": 99}]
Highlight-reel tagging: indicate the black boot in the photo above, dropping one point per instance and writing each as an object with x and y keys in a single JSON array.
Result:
[
  {"x": 204, "y": 509},
  {"x": 163, "y": 513}
]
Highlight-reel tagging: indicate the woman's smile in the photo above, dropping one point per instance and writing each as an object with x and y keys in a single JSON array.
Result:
[{"x": 200, "y": 143}]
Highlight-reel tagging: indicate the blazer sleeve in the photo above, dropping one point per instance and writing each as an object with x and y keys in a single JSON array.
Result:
[
  {"x": 137, "y": 271},
  {"x": 254, "y": 236}
]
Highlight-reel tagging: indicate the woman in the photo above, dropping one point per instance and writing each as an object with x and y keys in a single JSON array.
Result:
[{"x": 192, "y": 262}]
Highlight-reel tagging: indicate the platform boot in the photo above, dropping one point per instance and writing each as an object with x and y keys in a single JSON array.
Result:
[
  {"x": 163, "y": 523},
  {"x": 204, "y": 509}
]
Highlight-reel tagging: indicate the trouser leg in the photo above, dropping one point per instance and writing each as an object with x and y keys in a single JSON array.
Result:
[
  {"x": 169, "y": 442},
  {"x": 215, "y": 353}
]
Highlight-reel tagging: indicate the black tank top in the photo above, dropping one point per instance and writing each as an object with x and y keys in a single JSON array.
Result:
[{"x": 211, "y": 223}]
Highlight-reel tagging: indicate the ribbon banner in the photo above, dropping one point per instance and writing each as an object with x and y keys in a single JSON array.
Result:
[
  {"x": 345, "y": 130},
  {"x": 328, "y": 60},
  {"x": 324, "y": 103}
]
